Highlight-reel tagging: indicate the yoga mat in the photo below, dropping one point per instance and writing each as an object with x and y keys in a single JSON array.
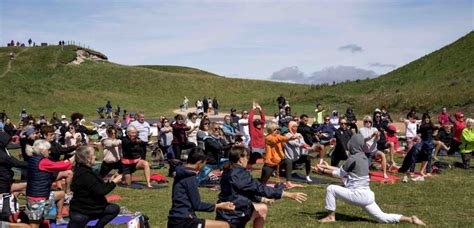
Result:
[
  {"x": 299, "y": 177},
  {"x": 113, "y": 198},
  {"x": 378, "y": 177},
  {"x": 121, "y": 219},
  {"x": 159, "y": 178},
  {"x": 139, "y": 185}
]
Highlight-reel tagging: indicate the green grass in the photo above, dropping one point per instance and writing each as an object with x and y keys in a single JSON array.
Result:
[
  {"x": 443, "y": 201},
  {"x": 41, "y": 81}
]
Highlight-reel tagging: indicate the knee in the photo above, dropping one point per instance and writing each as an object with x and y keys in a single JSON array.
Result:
[
  {"x": 113, "y": 209},
  {"x": 330, "y": 188},
  {"x": 263, "y": 211}
]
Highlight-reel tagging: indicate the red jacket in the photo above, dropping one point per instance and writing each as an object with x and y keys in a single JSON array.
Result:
[
  {"x": 458, "y": 127},
  {"x": 257, "y": 138}
]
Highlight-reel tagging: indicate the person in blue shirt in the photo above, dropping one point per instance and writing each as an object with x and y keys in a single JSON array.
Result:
[{"x": 186, "y": 199}]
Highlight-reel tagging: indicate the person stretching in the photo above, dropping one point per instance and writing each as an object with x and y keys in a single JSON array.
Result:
[
  {"x": 356, "y": 190},
  {"x": 186, "y": 199}
]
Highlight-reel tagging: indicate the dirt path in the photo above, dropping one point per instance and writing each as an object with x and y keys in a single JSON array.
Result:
[{"x": 9, "y": 66}]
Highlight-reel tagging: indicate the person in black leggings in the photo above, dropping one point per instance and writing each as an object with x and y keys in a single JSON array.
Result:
[{"x": 89, "y": 189}]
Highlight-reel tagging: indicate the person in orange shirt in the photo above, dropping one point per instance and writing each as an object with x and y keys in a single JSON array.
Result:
[{"x": 274, "y": 153}]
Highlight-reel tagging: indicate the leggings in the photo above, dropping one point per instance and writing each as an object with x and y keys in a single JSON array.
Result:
[
  {"x": 466, "y": 160},
  {"x": 454, "y": 147},
  {"x": 303, "y": 159},
  {"x": 177, "y": 149},
  {"x": 79, "y": 220},
  {"x": 364, "y": 198},
  {"x": 267, "y": 171},
  {"x": 256, "y": 154}
]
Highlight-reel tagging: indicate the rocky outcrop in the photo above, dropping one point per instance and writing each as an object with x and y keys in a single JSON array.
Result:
[{"x": 85, "y": 54}]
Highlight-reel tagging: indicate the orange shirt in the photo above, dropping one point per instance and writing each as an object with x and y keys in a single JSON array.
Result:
[{"x": 274, "y": 145}]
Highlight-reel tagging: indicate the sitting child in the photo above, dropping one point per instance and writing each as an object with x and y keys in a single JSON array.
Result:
[{"x": 186, "y": 199}]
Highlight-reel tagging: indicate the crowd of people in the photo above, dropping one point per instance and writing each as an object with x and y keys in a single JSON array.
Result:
[{"x": 61, "y": 149}]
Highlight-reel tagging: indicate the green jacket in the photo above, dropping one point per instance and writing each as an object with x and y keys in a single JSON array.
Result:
[{"x": 467, "y": 139}]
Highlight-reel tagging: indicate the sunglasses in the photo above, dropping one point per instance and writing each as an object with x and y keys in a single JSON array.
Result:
[
  {"x": 326, "y": 119},
  {"x": 343, "y": 123},
  {"x": 215, "y": 129},
  {"x": 205, "y": 124}
]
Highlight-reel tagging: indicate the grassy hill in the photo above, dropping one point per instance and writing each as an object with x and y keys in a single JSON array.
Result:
[{"x": 40, "y": 80}]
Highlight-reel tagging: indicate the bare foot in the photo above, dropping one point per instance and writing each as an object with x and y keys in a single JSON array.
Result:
[
  {"x": 291, "y": 185},
  {"x": 436, "y": 158},
  {"x": 415, "y": 220},
  {"x": 385, "y": 176},
  {"x": 328, "y": 219}
]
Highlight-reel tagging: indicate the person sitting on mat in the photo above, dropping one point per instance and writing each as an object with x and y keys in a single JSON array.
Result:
[
  {"x": 371, "y": 137},
  {"x": 89, "y": 189},
  {"x": 131, "y": 160},
  {"x": 296, "y": 152},
  {"x": 186, "y": 199},
  {"x": 112, "y": 147},
  {"x": 248, "y": 195},
  {"x": 356, "y": 190},
  {"x": 40, "y": 176},
  {"x": 342, "y": 135},
  {"x": 274, "y": 154},
  {"x": 215, "y": 147}
]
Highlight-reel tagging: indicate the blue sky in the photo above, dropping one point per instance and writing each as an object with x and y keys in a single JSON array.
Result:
[{"x": 247, "y": 39}]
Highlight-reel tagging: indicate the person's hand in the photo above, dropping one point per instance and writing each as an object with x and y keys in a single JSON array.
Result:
[
  {"x": 298, "y": 196},
  {"x": 267, "y": 201},
  {"x": 151, "y": 142},
  {"x": 117, "y": 178},
  {"x": 228, "y": 206}
]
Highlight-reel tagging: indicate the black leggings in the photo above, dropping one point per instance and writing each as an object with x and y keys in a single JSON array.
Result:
[
  {"x": 454, "y": 147},
  {"x": 178, "y": 148},
  {"x": 254, "y": 157},
  {"x": 303, "y": 159},
  {"x": 78, "y": 220},
  {"x": 268, "y": 170},
  {"x": 466, "y": 160}
]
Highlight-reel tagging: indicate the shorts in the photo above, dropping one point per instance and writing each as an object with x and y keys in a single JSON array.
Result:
[
  {"x": 186, "y": 222},
  {"x": 105, "y": 168},
  {"x": 382, "y": 146},
  {"x": 38, "y": 209},
  {"x": 261, "y": 151},
  {"x": 129, "y": 168}
]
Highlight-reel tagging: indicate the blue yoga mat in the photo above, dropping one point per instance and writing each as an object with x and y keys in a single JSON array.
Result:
[{"x": 121, "y": 219}]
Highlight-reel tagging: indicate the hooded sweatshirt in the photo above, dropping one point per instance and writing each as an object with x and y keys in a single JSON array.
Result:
[
  {"x": 6, "y": 164},
  {"x": 458, "y": 127},
  {"x": 185, "y": 197},
  {"x": 355, "y": 171}
]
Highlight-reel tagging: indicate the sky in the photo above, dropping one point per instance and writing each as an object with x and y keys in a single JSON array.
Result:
[{"x": 246, "y": 39}]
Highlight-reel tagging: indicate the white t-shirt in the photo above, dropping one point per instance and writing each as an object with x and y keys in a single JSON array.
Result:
[
  {"x": 143, "y": 129},
  {"x": 192, "y": 136},
  {"x": 370, "y": 142},
  {"x": 244, "y": 128},
  {"x": 411, "y": 128}
]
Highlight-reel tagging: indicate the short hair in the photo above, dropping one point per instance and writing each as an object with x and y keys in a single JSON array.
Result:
[
  {"x": 40, "y": 145},
  {"x": 84, "y": 154},
  {"x": 303, "y": 116},
  {"x": 235, "y": 154},
  {"x": 272, "y": 126},
  {"x": 196, "y": 157},
  {"x": 47, "y": 129},
  {"x": 470, "y": 123},
  {"x": 367, "y": 118},
  {"x": 131, "y": 128},
  {"x": 179, "y": 116}
]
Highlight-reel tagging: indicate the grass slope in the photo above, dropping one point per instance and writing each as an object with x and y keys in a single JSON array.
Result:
[{"x": 40, "y": 81}]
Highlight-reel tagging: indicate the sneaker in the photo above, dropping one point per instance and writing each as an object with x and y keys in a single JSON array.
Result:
[
  {"x": 308, "y": 179},
  {"x": 405, "y": 179},
  {"x": 61, "y": 221},
  {"x": 418, "y": 178}
]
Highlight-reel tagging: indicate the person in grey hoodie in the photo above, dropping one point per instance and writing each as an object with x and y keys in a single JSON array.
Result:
[{"x": 356, "y": 190}]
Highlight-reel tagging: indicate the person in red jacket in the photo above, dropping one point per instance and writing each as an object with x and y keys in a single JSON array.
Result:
[
  {"x": 257, "y": 137},
  {"x": 444, "y": 119},
  {"x": 458, "y": 127}
]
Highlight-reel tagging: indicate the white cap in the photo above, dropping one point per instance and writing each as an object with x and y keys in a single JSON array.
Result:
[{"x": 63, "y": 116}]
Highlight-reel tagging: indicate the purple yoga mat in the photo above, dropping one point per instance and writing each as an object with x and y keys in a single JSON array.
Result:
[{"x": 121, "y": 219}]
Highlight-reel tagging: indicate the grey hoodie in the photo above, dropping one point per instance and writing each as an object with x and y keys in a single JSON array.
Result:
[{"x": 355, "y": 171}]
